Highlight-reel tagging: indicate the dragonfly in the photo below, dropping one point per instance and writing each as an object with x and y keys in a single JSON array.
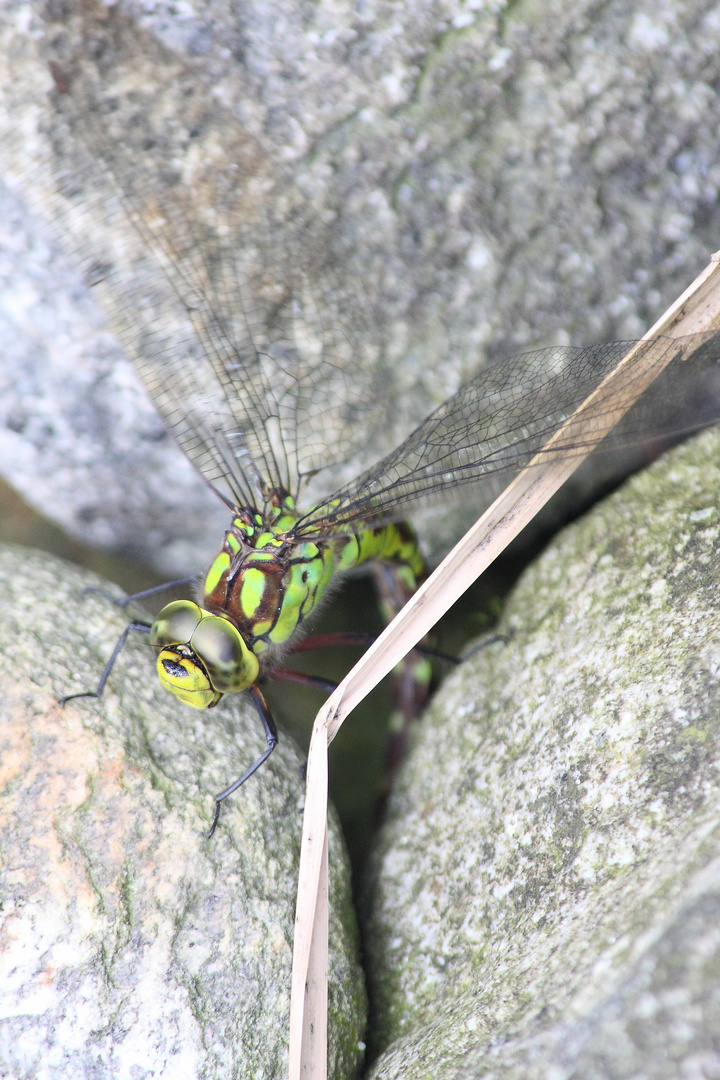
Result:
[{"x": 268, "y": 398}]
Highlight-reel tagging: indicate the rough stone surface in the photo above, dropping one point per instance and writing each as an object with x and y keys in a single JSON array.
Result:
[
  {"x": 504, "y": 176},
  {"x": 132, "y": 946},
  {"x": 545, "y": 895}
]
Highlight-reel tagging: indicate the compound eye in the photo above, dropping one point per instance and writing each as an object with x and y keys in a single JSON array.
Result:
[
  {"x": 186, "y": 680},
  {"x": 229, "y": 663},
  {"x": 175, "y": 624}
]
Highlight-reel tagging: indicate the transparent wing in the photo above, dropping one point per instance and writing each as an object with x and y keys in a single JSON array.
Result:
[
  {"x": 502, "y": 420},
  {"x": 256, "y": 386}
]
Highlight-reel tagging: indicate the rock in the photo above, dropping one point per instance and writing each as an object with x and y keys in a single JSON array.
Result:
[
  {"x": 132, "y": 946},
  {"x": 490, "y": 180},
  {"x": 545, "y": 893}
]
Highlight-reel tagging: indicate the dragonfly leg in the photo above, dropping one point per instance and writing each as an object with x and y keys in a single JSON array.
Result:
[
  {"x": 138, "y": 595},
  {"x": 341, "y": 638},
  {"x": 271, "y": 737},
  {"x": 491, "y": 640},
  {"x": 302, "y": 678},
  {"x": 141, "y": 627}
]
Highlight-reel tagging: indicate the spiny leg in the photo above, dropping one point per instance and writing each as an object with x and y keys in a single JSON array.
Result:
[
  {"x": 141, "y": 627},
  {"x": 271, "y": 737},
  {"x": 341, "y": 638},
  {"x": 126, "y": 600},
  {"x": 301, "y": 678}
]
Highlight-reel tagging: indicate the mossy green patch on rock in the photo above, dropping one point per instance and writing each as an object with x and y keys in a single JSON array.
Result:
[{"x": 554, "y": 839}]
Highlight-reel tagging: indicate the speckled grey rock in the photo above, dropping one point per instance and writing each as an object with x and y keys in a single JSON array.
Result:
[
  {"x": 503, "y": 177},
  {"x": 545, "y": 898},
  {"x": 132, "y": 946}
]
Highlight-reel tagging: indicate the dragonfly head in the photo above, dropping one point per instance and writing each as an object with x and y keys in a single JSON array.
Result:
[{"x": 201, "y": 656}]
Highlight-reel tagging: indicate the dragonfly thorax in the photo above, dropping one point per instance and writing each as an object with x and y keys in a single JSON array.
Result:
[{"x": 267, "y": 578}]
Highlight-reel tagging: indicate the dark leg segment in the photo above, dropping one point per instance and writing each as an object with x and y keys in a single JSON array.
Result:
[
  {"x": 343, "y": 638},
  {"x": 141, "y": 627},
  {"x": 138, "y": 595},
  {"x": 302, "y": 678},
  {"x": 271, "y": 737}
]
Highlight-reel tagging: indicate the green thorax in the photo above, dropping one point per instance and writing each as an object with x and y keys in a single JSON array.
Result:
[{"x": 266, "y": 579}]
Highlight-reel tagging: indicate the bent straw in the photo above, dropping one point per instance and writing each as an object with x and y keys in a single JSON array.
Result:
[{"x": 697, "y": 310}]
